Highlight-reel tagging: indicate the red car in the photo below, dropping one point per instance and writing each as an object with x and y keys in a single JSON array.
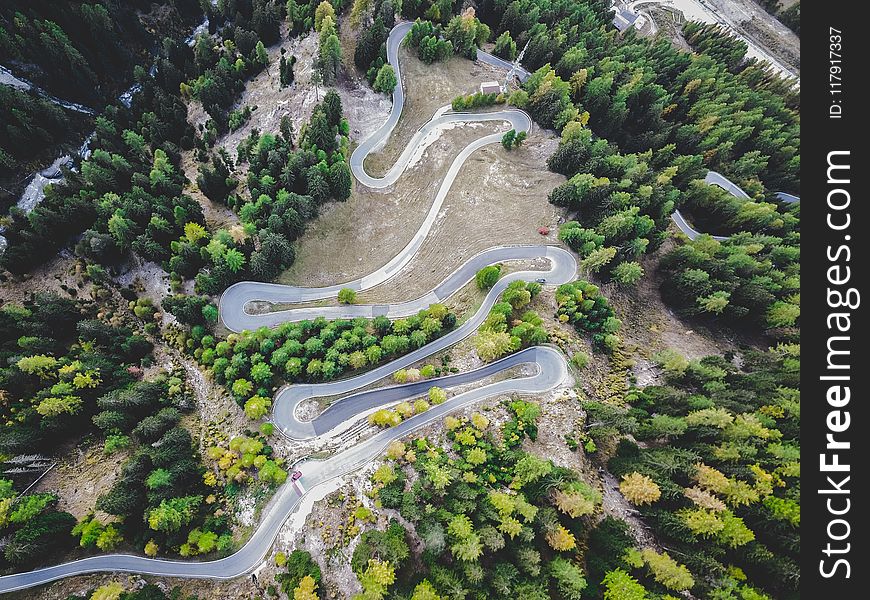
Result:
[{"x": 296, "y": 475}]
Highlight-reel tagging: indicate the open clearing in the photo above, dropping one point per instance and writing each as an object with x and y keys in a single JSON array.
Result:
[
  {"x": 427, "y": 88},
  {"x": 498, "y": 198}
]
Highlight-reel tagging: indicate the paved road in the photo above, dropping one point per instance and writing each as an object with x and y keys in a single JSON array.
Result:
[
  {"x": 236, "y": 298},
  {"x": 563, "y": 269},
  {"x": 501, "y": 63},
  {"x": 518, "y": 120},
  {"x": 551, "y": 370},
  {"x": 714, "y": 178}
]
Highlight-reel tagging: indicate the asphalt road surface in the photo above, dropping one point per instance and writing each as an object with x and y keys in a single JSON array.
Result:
[
  {"x": 550, "y": 372},
  {"x": 551, "y": 368},
  {"x": 714, "y": 178}
]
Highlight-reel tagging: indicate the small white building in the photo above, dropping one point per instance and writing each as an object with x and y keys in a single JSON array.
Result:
[
  {"x": 623, "y": 17},
  {"x": 490, "y": 87}
]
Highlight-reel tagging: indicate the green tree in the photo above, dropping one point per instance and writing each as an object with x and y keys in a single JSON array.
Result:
[
  {"x": 505, "y": 47},
  {"x": 487, "y": 276},
  {"x": 261, "y": 373},
  {"x": 262, "y": 57},
  {"x": 568, "y": 578},
  {"x": 619, "y": 585},
  {"x": 385, "y": 81},
  {"x": 171, "y": 514},
  {"x": 234, "y": 259},
  {"x": 627, "y": 273},
  {"x": 158, "y": 478},
  {"x": 330, "y": 58},
  {"x": 257, "y": 407},
  {"x": 340, "y": 180},
  {"x": 242, "y": 387},
  {"x": 507, "y": 140}
]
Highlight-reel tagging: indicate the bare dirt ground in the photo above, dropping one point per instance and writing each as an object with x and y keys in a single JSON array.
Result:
[
  {"x": 498, "y": 198},
  {"x": 365, "y": 109},
  {"x": 272, "y": 103},
  {"x": 81, "y": 476},
  {"x": 650, "y": 326},
  {"x": 427, "y": 88},
  {"x": 217, "y": 216},
  {"x": 668, "y": 23},
  {"x": 767, "y": 30},
  {"x": 353, "y": 238},
  {"x": 374, "y": 225},
  {"x": 50, "y": 277}
]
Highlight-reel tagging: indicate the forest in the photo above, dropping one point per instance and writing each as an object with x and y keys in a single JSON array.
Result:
[
  {"x": 493, "y": 520},
  {"x": 250, "y": 363},
  {"x": 640, "y": 123},
  {"x": 84, "y": 53},
  {"x": 707, "y": 456},
  {"x": 710, "y": 457},
  {"x": 127, "y": 197},
  {"x": 86, "y": 380},
  {"x": 720, "y": 463}
]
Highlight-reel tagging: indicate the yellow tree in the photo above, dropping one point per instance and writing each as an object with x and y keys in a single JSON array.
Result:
[
  {"x": 110, "y": 591},
  {"x": 639, "y": 489},
  {"x": 324, "y": 9},
  {"x": 377, "y": 577},
  {"x": 479, "y": 421},
  {"x": 574, "y": 503},
  {"x": 395, "y": 450},
  {"x": 561, "y": 539},
  {"x": 667, "y": 571},
  {"x": 425, "y": 591},
  {"x": 306, "y": 590},
  {"x": 704, "y": 499}
]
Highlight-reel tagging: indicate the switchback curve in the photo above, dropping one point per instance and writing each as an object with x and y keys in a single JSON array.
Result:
[
  {"x": 714, "y": 178},
  {"x": 551, "y": 370}
]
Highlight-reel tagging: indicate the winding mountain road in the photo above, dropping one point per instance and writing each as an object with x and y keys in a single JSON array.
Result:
[
  {"x": 714, "y": 178},
  {"x": 550, "y": 372},
  {"x": 236, "y": 298},
  {"x": 550, "y": 366}
]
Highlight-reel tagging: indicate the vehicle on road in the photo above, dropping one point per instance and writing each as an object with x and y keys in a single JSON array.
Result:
[
  {"x": 541, "y": 280},
  {"x": 296, "y": 475}
]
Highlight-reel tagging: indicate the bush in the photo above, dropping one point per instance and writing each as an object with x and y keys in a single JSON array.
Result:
[
  {"x": 347, "y": 296},
  {"x": 488, "y": 276},
  {"x": 580, "y": 360}
]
